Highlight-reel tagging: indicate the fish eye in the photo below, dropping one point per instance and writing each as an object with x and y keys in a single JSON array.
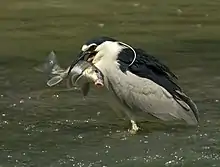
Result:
[{"x": 96, "y": 71}]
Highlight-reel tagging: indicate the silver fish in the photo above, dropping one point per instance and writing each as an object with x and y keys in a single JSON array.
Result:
[{"x": 82, "y": 74}]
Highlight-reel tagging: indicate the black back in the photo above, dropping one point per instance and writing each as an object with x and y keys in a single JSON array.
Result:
[{"x": 147, "y": 66}]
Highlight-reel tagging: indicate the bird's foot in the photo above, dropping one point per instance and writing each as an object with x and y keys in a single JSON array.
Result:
[{"x": 134, "y": 128}]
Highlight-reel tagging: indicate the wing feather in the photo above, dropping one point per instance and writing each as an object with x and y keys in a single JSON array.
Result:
[{"x": 148, "y": 66}]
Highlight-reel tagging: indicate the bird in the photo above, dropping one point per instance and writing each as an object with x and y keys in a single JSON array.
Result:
[{"x": 143, "y": 87}]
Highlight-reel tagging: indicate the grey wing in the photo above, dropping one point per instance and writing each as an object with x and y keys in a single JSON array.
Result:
[
  {"x": 153, "y": 104},
  {"x": 134, "y": 101},
  {"x": 185, "y": 100}
]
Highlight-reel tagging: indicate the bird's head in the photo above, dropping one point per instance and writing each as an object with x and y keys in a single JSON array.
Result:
[
  {"x": 97, "y": 48},
  {"x": 102, "y": 51}
]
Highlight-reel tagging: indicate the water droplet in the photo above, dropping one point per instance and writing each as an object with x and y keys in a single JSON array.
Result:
[
  {"x": 199, "y": 25},
  {"x": 80, "y": 137},
  {"x": 107, "y": 146},
  {"x": 101, "y": 25},
  {"x": 136, "y": 4},
  {"x": 124, "y": 138},
  {"x": 145, "y": 142},
  {"x": 14, "y": 105},
  {"x": 5, "y": 122},
  {"x": 179, "y": 11},
  {"x": 168, "y": 162},
  {"x": 56, "y": 95}
]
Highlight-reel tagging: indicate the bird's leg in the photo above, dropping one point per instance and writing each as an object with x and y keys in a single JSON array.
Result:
[{"x": 134, "y": 127}]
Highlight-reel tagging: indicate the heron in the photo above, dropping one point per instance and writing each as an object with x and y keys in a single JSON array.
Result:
[{"x": 143, "y": 87}]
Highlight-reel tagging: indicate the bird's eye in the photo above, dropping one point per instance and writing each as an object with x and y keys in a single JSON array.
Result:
[{"x": 92, "y": 47}]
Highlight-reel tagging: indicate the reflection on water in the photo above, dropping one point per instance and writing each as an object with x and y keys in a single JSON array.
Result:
[{"x": 43, "y": 126}]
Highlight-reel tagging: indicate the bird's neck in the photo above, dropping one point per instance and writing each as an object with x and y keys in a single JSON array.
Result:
[{"x": 112, "y": 73}]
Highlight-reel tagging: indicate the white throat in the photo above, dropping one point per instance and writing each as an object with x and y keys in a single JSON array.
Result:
[{"x": 106, "y": 58}]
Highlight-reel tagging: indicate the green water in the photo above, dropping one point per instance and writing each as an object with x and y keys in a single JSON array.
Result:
[{"x": 53, "y": 127}]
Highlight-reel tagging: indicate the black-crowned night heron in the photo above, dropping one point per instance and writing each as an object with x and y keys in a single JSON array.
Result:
[{"x": 145, "y": 88}]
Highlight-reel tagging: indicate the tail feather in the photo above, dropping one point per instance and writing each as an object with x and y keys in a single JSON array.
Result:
[{"x": 189, "y": 102}]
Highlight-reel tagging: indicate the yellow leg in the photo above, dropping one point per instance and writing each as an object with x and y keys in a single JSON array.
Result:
[{"x": 134, "y": 127}]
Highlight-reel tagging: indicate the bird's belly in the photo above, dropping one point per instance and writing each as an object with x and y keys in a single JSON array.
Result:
[
  {"x": 123, "y": 108},
  {"x": 114, "y": 104}
]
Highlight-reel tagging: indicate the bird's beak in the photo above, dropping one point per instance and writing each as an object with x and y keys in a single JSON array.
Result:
[
  {"x": 83, "y": 55},
  {"x": 80, "y": 57}
]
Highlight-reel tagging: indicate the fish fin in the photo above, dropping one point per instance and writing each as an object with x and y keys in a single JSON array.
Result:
[
  {"x": 68, "y": 83},
  {"x": 85, "y": 89},
  {"x": 55, "y": 80}
]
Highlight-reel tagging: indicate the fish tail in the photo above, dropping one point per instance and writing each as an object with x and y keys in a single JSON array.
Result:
[{"x": 50, "y": 66}]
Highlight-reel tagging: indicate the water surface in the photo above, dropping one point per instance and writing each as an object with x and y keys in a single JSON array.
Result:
[{"x": 43, "y": 126}]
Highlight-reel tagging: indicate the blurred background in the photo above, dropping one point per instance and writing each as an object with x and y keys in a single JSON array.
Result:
[{"x": 43, "y": 126}]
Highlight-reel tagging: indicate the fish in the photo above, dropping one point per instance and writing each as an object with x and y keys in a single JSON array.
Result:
[{"x": 82, "y": 74}]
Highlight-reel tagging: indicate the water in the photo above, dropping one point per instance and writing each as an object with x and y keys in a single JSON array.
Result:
[{"x": 43, "y": 126}]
